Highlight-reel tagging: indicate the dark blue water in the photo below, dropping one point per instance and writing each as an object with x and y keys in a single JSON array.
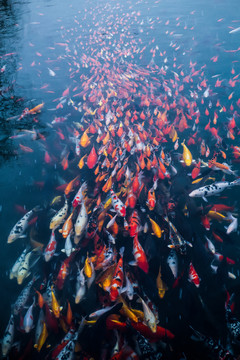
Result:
[{"x": 43, "y": 51}]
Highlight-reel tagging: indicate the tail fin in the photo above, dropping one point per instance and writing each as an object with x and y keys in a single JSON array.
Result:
[{"x": 235, "y": 182}]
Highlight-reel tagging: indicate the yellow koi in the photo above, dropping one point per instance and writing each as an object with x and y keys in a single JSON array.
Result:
[
  {"x": 161, "y": 286},
  {"x": 87, "y": 267},
  {"x": 125, "y": 311},
  {"x": 187, "y": 156},
  {"x": 55, "y": 306},
  {"x": 42, "y": 338},
  {"x": 156, "y": 228}
]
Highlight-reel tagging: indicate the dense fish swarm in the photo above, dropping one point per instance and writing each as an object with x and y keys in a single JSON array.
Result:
[{"x": 130, "y": 258}]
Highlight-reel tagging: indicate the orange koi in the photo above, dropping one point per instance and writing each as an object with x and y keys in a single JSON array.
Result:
[
  {"x": 36, "y": 109},
  {"x": 92, "y": 158},
  {"x": 151, "y": 202},
  {"x": 70, "y": 185},
  {"x": 85, "y": 141}
]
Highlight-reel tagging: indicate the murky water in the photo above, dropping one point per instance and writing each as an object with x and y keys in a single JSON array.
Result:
[{"x": 48, "y": 52}]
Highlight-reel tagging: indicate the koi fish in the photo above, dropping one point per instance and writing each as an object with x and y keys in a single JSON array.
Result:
[
  {"x": 23, "y": 268},
  {"x": 193, "y": 276},
  {"x": 139, "y": 255},
  {"x": 42, "y": 338},
  {"x": 14, "y": 270},
  {"x": 8, "y": 337},
  {"x": 134, "y": 224},
  {"x": 67, "y": 227},
  {"x": 22, "y": 298},
  {"x": 161, "y": 286},
  {"x": 149, "y": 317},
  {"x": 51, "y": 247},
  {"x": 60, "y": 216},
  {"x": 234, "y": 224},
  {"x": 28, "y": 319},
  {"x": 213, "y": 189},
  {"x": 81, "y": 223},
  {"x": 117, "y": 204},
  {"x": 117, "y": 281},
  {"x": 173, "y": 262},
  {"x": 151, "y": 202},
  {"x": 20, "y": 227},
  {"x": 187, "y": 156},
  {"x": 68, "y": 248},
  {"x": 55, "y": 306},
  {"x": 80, "y": 195}
]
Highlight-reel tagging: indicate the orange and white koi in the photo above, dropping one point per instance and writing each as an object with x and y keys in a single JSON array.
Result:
[
  {"x": 151, "y": 202},
  {"x": 134, "y": 224},
  {"x": 139, "y": 255}
]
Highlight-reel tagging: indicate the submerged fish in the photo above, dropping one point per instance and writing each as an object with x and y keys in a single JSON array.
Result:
[{"x": 113, "y": 152}]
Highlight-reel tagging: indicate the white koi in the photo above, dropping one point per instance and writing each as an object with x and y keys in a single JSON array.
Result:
[
  {"x": 213, "y": 189},
  {"x": 81, "y": 222},
  {"x": 20, "y": 227},
  {"x": 28, "y": 319},
  {"x": 234, "y": 224},
  {"x": 23, "y": 268},
  {"x": 149, "y": 317},
  {"x": 68, "y": 248},
  {"x": 14, "y": 270},
  {"x": 173, "y": 262},
  {"x": 80, "y": 195}
]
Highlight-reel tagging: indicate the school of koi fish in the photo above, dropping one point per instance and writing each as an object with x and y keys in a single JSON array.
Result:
[{"x": 136, "y": 254}]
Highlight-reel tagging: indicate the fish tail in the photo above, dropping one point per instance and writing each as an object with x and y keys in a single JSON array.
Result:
[{"x": 235, "y": 182}]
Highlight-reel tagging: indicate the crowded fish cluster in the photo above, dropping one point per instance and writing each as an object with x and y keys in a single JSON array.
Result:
[{"x": 134, "y": 255}]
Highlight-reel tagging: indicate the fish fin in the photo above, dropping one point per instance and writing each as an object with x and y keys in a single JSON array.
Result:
[
  {"x": 123, "y": 290},
  {"x": 133, "y": 263},
  {"x": 63, "y": 250},
  {"x": 121, "y": 251},
  {"x": 203, "y": 197}
]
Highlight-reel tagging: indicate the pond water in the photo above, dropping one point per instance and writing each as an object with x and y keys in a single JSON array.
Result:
[{"x": 134, "y": 79}]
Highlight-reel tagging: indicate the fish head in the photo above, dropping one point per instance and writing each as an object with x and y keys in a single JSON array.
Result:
[
  {"x": 161, "y": 293},
  {"x": 152, "y": 325},
  {"x": 193, "y": 193},
  {"x": 114, "y": 292},
  {"x": 12, "y": 237}
]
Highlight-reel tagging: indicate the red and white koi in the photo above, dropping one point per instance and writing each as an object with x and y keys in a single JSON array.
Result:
[
  {"x": 28, "y": 319},
  {"x": 139, "y": 255},
  {"x": 117, "y": 281},
  {"x": 51, "y": 247},
  {"x": 193, "y": 276},
  {"x": 118, "y": 204},
  {"x": 80, "y": 195}
]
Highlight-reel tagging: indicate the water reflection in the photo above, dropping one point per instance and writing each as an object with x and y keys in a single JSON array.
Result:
[{"x": 11, "y": 27}]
